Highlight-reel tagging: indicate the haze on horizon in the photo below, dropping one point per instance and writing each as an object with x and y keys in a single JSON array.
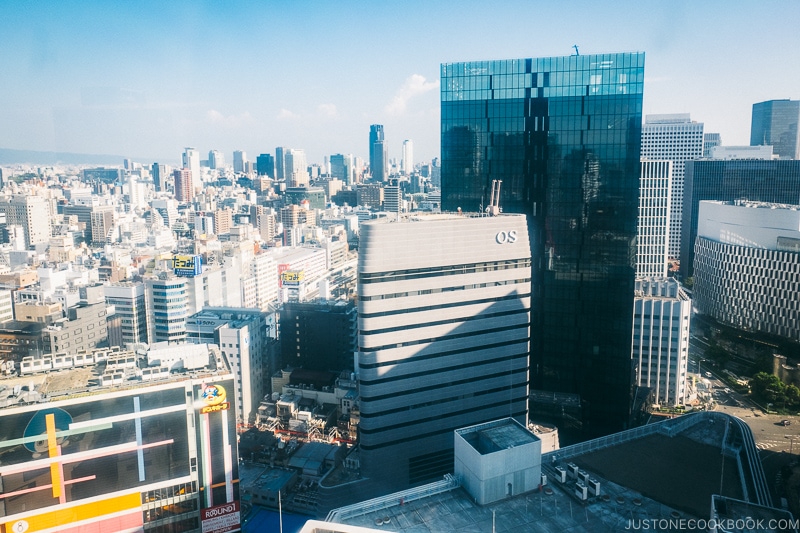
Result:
[{"x": 147, "y": 79}]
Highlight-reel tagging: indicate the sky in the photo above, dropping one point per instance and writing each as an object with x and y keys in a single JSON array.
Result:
[{"x": 145, "y": 79}]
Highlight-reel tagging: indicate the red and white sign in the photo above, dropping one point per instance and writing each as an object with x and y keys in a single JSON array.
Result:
[{"x": 221, "y": 518}]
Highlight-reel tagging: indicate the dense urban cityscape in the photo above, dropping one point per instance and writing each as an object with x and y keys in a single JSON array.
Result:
[{"x": 574, "y": 316}]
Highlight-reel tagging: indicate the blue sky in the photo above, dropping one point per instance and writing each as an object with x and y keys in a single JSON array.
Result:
[{"x": 145, "y": 79}]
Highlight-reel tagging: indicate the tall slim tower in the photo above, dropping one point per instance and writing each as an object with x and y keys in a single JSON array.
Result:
[
  {"x": 408, "y": 157},
  {"x": 184, "y": 187},
  {"x": 564, "y": 135},
  {"x": 280, "y": 163},
  {"x": 653, "y": 234},
  {"x": 295, "y": 168},
  {"x": 191, "y": 160},
  {"x": 377, "y": 153},
  {"x": 239, "y": 161},
  {"x": 775, "y": 123},
  {"x": 678, "y": 139}
]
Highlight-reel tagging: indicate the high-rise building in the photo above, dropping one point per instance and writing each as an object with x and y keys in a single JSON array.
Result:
[
  {"x": 661, "y": 318},
  {"x": 191, "y": 160},
  {"x": 678, "y": 139},
  {"x": 295, "y": 168},
  {"x": 776, "y": 181},
  {"x": 242, "y": 335},
  {"x": 30, "y": 212},
  {"x": 167, "y": 308},
  {"x": 184, "y": 186},
  {"x": 318, "y": 335},
  {"x": 102, "y": 222},
  {"x": 239, "y": 161},
  {"x": 265, "y": 165},
  {"x": 159, "y": 175},
  {"x": 775, "y": 122},
  {"x": 408, "y": 157},
  {"x": 563, "y": 134},
  {"x": 443, "y": 337},
  {"x": 392, "y": 197},
  {"x": 377, "y": 153},
  {"x": 747, "y": 266},
  {"x": 129, "y": 304},
  {"x": 710, "y": 140},
  {"x": 652, "y": 237},
  {"x": 216, "y": 160},
  {"x": 280, "y": 163}
]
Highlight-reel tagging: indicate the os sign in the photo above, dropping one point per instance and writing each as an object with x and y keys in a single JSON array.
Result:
[{"x": 506, "y": 237}]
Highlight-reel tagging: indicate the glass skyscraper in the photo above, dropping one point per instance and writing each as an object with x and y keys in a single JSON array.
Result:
[
  {"x": 775, "y": 123},
  {"x": 564, "y": 136}
]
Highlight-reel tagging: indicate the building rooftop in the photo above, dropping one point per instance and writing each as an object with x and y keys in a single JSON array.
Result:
[
  {"x": 495, "y": 436},
  {"x": 641, "y": 475},
  {"x": 61, "y": 375}
]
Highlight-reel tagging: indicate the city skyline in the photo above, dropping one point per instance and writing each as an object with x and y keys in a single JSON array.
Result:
[{"x": 146, "y": 82}]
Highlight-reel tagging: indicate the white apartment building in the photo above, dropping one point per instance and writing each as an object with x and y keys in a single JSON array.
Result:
[
  {"x": 661, "y": 319},
  {"x": 675, "y": 138}
]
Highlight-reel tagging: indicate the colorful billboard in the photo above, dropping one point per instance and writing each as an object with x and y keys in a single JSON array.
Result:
[
  {"x": 187, "y": 266},
  {"x": 116, "y": 461}
]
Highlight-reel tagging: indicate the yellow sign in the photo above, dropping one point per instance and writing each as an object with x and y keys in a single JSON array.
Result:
[{"x": 292, "y": 276}]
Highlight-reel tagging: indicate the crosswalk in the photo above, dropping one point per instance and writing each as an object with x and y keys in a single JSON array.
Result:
[{"x": 768, "y": 444}]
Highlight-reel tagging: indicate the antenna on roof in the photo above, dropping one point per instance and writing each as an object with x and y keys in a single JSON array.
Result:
[{"x": 575, "y": 46}]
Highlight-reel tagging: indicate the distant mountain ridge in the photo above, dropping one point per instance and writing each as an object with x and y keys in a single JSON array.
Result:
[{"x": 33, "y": 157}]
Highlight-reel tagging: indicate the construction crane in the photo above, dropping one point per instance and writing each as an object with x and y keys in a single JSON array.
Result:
[{"x": 575, "y": 46}]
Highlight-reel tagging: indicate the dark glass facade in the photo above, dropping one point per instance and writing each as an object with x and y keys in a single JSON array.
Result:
[
  {"x": 563, "y": 134},
  {"x": 377, "y": 153},
  {"x": 776, "y": 181},
  {"x": 265, "y": 165},
  {"x": 775, "y": 123}
]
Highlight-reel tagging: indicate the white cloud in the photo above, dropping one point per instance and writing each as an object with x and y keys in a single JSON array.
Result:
[
  {"x": 414, "y": 85},
  {"x": 328, "y": 110},
  {"x": 215, "y": 117},
  {"x": 285, "y": 114}
]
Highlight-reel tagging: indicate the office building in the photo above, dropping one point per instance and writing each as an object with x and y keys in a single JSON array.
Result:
[
  {"x": 342, "y": 168},
  {"x": 216, "y": 160},
  {"x": 129, "y": 304},
  {"x": 661, "y": 318},
  {"x": 167, "y": 308},
  {"x": 652, "y": 237},
  {"x": 191, "y": 160},
  {"x": 242, "y": 336},
  {"x": 747, "y": 266},
  {"x": 159, "y": 174},
  {"x": 32, "y": 213},
  {"x": 563, "y": 134},
  {"x": 99, "y": 452},
  {"x": 776, "y": 181},
  {"x": 443, "y": 337},
  {"x": 82, "y": 329},
  {"x": 775, "y": 123},
  {"x": 408, "y": 157},
  {"x": 318, "y": 335},
  {"x": 184, "y": 186},
  {"x": 678, "y": 139},
  {"x": 378, "y": 158},
  {"x": 710, "y": 140},
  {"x": 280, "y": 163},
  {"x": 239, "y": 161},
  {"x": 265, "y": 165},
  {"x": 295, "y": 168}
]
